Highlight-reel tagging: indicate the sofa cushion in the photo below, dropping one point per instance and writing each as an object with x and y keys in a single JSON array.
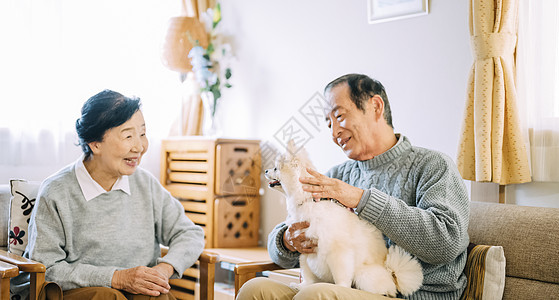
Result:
[
  {"x": 485, "y": 270},
  {"x": 22, "y": 201},
  {"x": 529, "y": 236},
  {"x": 4, "y": 215},
  {"x": 519, "y": 288}
]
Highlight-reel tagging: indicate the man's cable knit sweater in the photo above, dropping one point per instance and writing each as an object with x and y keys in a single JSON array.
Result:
[{"x": 418, "y": 199}]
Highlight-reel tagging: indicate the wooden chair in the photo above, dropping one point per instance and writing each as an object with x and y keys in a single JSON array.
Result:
[
  {"x": 35, "y": 269},
  {"x": 7, "y": 271},
  {"x": 247, "y": 270},
  {"x": 10, "y": 263}
]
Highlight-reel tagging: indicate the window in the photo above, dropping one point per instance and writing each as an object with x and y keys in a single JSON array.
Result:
[
  {"x": 538, "y": 84},
  {"x": 57, "y": 53}
]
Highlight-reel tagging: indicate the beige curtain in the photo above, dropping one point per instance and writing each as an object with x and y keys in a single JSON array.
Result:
[
  {"x": 200, "y": 6},
  {"x": 491, "y": 147},
  {"x": 192, "y": 112}
]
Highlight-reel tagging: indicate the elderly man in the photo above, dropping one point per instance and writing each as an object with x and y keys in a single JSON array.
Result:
[{"x": 415, "y": 196}]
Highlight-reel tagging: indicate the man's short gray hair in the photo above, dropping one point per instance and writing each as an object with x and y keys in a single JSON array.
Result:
[{"x": 361, "y": 88}]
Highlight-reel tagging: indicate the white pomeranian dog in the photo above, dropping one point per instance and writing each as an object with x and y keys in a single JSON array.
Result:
[{"x": 350, "y": 252}]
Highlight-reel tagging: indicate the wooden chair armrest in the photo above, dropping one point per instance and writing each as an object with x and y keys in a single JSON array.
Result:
[
  {"x": 208, "y": 260},
  {"x": 36, "y": 271},
  {"x": 209, "y": 257},
  {"x": 8, "y": 270},
  {"x": 255, "y": 267},
  {"x": 24, "y": 264},
  {"x": 246, "y": 271}
]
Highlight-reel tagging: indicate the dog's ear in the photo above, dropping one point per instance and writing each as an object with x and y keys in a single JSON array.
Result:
[
  {"x": 298, "y": 154},
  {"x": 291, "y": 147},
  {"x": 303, "y": 156}
]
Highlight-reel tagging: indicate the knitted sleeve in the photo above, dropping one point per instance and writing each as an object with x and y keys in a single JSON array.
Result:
[
  {"x": 278, "y": 253},
  {"x": 174, "y": 229},
  {"x": 435, "y": 229}
]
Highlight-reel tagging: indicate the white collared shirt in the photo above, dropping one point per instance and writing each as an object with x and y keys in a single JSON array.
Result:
[{"x": 90, "y": 188}]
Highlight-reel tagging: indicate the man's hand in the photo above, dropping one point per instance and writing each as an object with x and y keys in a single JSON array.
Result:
[
  {"x": 142, "y": 280},
  {"x": 295, "y": 240},
  {"x": 322, "y": 186}
]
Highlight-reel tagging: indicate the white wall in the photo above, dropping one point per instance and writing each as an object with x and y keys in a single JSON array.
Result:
[
  {"x": 288, "y": 50},
  {"x": 544, "y": 194}
]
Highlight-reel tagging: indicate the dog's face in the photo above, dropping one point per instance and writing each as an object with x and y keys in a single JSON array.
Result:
[
  {"x": 291, "y": 165},
  {"x": 285, "y": 171},
  {"x": 273, "y": 175}
]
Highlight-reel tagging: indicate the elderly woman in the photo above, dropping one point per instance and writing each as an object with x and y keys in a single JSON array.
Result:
[{"x": 98, "y": 223}]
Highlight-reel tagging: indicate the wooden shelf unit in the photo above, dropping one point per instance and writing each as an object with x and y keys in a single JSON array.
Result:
[{"x": 217, "y": 181}]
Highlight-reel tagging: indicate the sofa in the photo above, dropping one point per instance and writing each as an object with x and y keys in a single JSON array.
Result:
[
  {"x": 530, "y": 240},
  {"x": 529, "y": 237},
  {"x": 4, "y": 215}
]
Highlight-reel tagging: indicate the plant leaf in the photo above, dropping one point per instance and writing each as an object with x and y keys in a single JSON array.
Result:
[
  {"x": 217, "y": 15},
  {"x": 210, "y": 50}
]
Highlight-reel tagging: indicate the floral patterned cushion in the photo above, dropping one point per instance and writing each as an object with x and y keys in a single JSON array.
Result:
[{"x": 22, "y": 202}]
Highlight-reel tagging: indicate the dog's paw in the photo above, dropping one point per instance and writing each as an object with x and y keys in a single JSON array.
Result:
[
  {"x": 391, "y": 294},
  {"x": 299, "y": 286},
  {"x": 295, "y": 286}
]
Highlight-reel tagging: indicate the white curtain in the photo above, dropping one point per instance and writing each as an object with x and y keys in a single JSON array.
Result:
[
  {"x": 55, "y": 54},
  {"x": 538, "y": 85}
]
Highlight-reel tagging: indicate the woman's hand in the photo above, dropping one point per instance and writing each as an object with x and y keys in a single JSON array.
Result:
[
  {"x": 165, "y": 269},
  {"x": 142, "y": 280},
  {"x": 295, "y": 240},
  {"x": 322, "y": 186}
]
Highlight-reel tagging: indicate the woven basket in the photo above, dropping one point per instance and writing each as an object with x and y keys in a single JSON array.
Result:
[{"x": 182, "y": 32}]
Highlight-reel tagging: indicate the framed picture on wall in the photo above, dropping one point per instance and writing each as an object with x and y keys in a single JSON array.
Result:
[{"x": 390, "y": 10}]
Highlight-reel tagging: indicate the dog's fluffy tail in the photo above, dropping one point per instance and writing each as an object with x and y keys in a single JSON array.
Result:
[{"x": 406, "y": 270}]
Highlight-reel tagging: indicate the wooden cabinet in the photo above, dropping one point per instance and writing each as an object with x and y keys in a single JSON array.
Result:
[{"x": 217, "y": 181}]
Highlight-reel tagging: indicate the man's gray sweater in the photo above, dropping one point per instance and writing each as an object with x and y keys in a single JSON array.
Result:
[
  {"x": 82, "y": 243},
  {"x": 418, "y": 199}
]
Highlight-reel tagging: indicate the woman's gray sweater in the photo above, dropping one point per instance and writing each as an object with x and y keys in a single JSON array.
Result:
[{"x": 82, "y": 243}]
